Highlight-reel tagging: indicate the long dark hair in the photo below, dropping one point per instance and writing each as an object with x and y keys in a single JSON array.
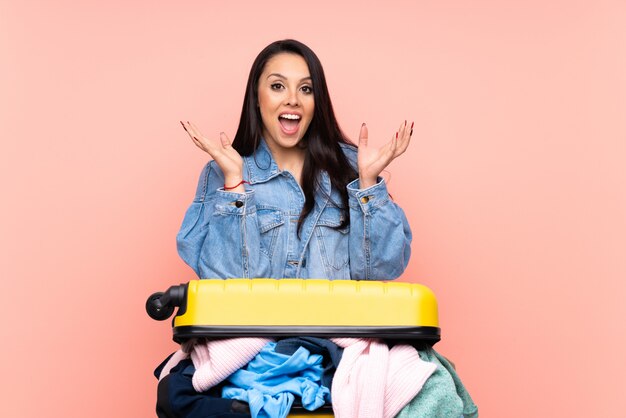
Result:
[{"x": 322, "y": 139}]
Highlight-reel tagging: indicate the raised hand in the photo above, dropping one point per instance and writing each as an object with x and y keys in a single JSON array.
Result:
[
  {"x": 372, "y": 161},
  {"x": 226, "y": 157}
]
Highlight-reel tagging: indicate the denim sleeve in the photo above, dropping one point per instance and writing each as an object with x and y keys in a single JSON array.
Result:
[
  {"x": 219, "y": 237},
  {"x": 380, "y": 236}
]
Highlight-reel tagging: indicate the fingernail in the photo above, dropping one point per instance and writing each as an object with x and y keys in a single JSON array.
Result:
[
  {"x": 396, "y": 135},
  {"x": 405, "y": 122},
  {"x": 412, "y": 123},
  {"x": 363, "y": 124},
  {"x": 411, "y": 134}
]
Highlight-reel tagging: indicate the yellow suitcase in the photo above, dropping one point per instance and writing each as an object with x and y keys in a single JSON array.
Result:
[{"x": 216, "y": 308}]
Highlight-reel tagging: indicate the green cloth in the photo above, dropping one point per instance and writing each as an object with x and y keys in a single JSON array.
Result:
[{"x": 443, "y": 395}]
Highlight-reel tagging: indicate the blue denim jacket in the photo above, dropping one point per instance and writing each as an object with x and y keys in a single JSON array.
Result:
[{"x": 254, "y": 234}]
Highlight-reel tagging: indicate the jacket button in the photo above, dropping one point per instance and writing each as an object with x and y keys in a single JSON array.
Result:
[
  {"x": 238, "y": 203},
  {"x": 365, "y": 199}
]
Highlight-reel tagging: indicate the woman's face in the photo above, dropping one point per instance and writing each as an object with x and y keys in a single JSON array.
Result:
[{"x": 285, "y": 100}]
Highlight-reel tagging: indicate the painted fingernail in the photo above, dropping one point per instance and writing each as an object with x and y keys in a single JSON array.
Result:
[
  {"x": 412, "y": 123},
  {"x": 405, "y": 122},
  {"x": 411, "y": 134},
  {"x": 396, "y": 135}
]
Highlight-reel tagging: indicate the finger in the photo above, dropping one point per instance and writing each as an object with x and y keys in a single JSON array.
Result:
[
  {"x": 399, "y": 136},
  {"x": 193, "y": 130},
  {"x": 405, "y": 133},
  {"x": 198, "y": 143},
  {"x": 187, "y": 129},
  {"x": 394, "y": 144},
  {"x": 363, "y": 136},
  {"x": 191, "y": 134},
  {"x": 403, "y": 143},
  {"x": 402, "y": 129},
  {"x": 224, "y": 140},
  {"x": 200, "y": 140},
  {"x": 402, "y": 146}
]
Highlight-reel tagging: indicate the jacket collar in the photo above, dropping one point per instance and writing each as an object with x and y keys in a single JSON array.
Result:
[{"x": 262, "y": 167}]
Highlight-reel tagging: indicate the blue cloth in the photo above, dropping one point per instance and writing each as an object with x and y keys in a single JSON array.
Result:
[
  {"x": 254, "y": 234},
  {"x": 330, "y": 351},
  {"x": 270, "y": 382}
]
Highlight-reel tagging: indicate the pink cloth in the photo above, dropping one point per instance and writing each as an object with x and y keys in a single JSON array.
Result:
[
  {"x": 372, "y": 381},
  {"x": 215, "y": 360}
]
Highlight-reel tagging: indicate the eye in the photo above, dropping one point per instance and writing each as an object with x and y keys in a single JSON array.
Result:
[
  {"x": 276, "y": 86},
  {"x": 307, "y": 89}
]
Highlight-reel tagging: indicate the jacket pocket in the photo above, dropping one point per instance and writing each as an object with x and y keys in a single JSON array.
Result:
[
  {"x": 269, "y": 221},
  {"x": 332, "y": 241}
]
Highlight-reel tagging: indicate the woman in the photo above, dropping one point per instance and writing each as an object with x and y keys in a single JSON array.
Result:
[{"x": 290, "y": 196}]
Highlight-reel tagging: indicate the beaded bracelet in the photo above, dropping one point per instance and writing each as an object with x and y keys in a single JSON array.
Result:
[{"x": 236, "y": 185}]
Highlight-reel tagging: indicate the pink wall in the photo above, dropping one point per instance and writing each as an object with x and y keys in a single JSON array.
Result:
[{"x": 514, "y": 186}]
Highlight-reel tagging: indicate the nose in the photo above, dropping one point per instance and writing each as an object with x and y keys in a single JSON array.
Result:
[{"x": 292, "y": 98}]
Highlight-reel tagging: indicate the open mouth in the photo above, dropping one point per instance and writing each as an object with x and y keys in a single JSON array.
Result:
[{"x": 289, "y": 122}]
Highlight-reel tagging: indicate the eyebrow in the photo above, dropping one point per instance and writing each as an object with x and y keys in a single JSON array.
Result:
[{"x": 285, "y": 78}]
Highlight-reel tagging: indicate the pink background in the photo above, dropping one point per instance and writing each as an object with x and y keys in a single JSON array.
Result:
[{"x": 514, "y": 185}]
